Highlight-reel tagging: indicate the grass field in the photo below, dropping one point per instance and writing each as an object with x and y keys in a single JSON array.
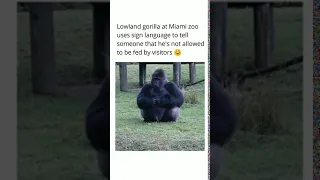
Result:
[
  {"x": 51, "y": 141},
  {"x": 132, "y": 134}
]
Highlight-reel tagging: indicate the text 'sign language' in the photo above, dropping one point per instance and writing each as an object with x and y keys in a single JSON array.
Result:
[{"x": 156, "y": 39}]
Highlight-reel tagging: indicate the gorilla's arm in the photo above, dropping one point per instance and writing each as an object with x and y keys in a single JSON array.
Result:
[
  {"x": 223, "y": 120},
  {"x": 175, "y": 97},
  {"x": 144, "y": 99},
  {"x": 97, "y": 122},
  {"x": 223, "y": 115}
]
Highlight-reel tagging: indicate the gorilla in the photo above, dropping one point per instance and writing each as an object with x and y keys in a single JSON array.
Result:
[
  {"x": 97, "y": 127},
  {"x": 223, "y": 121},
  {"x": 160, "y": 101}
]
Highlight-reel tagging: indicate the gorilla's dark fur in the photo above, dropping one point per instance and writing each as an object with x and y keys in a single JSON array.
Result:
[
  {"x": 223, "y": 119},
  {"x": 161, "y": 100},
  {"x": 97, "y": 126},
  {"x": 222, "y": 114}
]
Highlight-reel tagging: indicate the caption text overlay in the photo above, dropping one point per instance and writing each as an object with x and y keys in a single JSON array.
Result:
[{"x": 155, "y": 39}]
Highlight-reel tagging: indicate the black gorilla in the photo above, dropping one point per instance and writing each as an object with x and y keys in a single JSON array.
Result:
[
  {"x": 161, "y": 100},
  {"x": 223, "y": 120},
  {"x": 97, "y": 126}
]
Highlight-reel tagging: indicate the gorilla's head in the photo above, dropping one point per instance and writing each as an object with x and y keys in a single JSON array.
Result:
[
  {"x": 159, "y": 78},
  {"x": 151, "y": 90}
]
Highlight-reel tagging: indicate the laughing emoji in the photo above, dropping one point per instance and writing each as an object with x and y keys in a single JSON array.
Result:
[{"x": 177, "y": 52}]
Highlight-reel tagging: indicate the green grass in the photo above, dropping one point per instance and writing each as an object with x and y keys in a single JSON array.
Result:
[
  {"x": 132, "y": 134},
  {"x": 51, "y": 142},
  {"x": 268, "y": 157}
]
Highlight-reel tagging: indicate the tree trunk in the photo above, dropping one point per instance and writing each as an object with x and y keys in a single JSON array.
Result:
[
  {"x": 264, "y": 35},
  {"x": 218, "y": 40},
  {"x": 42, "y": 48},
  {"x": 123, "y": 76},
  {"x": 101, "y": 40},
  {"x": 177, "y": 73},
  {"x": 192, "y": 72},
  {"x": 142, "y": 73}
]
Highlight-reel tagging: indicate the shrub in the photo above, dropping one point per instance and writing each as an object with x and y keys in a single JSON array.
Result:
[
  {"x": 259, "y": 113},
  {"x": 191, "y": 96}
]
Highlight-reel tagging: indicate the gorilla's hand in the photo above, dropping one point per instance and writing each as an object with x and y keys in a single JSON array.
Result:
[
  {"x": 156, "y": 102},
  {"x": 165, "y": 100}
]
